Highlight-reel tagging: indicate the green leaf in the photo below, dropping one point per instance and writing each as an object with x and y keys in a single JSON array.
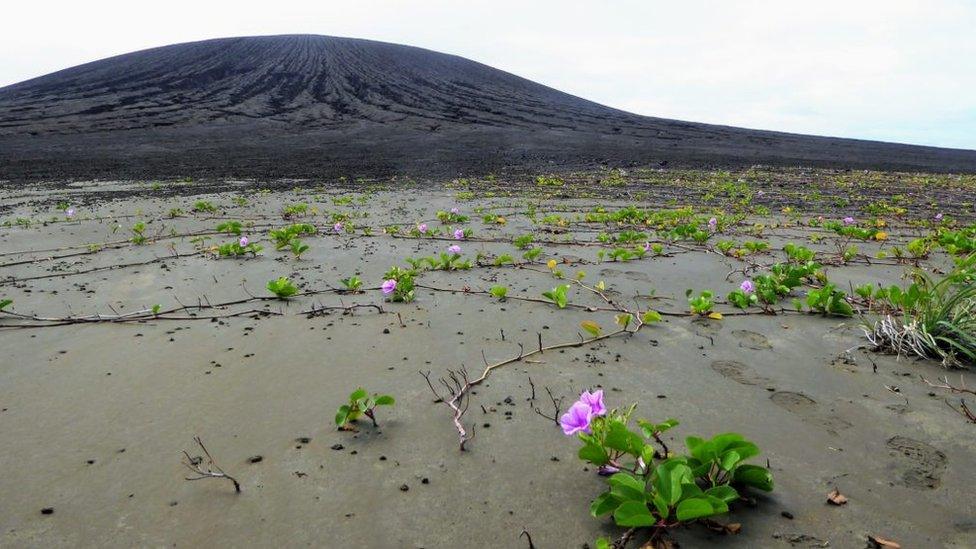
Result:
[
  {"x": 342, "y": 415},
  {"x": 4, "y": 303},
  {"x": 619, "y": 437},
  {"x": 593, "y": 453},
  {"x": 651, "y": 316},
  {"x": 723, "y": 492},
  {"x": 633, "y": 514},
  {"x": 691, "y": 490},
  {"x": 662, "y": 506},
  {"x": 623, "y": 319},
  {"x": 626, "y": 487},
  {"x": 358, "y": 394},
  {"x": 603, "y": 504},
  {"x": 591, "y": 327},
  {"x": 694, "y": 508},
  {"x": 602, "y": 543},
  {"x": 755, "y": 476},
  {"x": 668, "y": 478},
  {"x": 385, "y": 400},
  {"x": 729, "y": 460}
]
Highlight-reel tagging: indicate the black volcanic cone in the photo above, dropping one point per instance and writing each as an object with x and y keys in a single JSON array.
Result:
[{"x": 324, "y": 106}]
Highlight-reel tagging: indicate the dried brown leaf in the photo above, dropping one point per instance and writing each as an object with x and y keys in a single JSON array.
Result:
[
  {"x": 836, "y": 498},
  {"x": 884, "y": 543}
]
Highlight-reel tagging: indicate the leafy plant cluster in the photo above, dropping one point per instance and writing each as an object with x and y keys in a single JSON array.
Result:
[
  {"x": 282, "y": 287},
  {"x": 935, "y": 318},
  {"x": 404, "y": 290},
  {"x": 652, "y": 488},
  {"x": 284, "y": 237},
  {"x": 451, "y": 217},
  {"x": 234, "y": 249},
  {"x": 360, "y": 404}
]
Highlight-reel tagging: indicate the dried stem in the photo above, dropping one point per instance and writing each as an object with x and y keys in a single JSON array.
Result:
[{"x": 208, "y": 470}]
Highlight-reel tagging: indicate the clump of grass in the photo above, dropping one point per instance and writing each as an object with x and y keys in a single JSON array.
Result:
[{"x": 938, "y": 318}]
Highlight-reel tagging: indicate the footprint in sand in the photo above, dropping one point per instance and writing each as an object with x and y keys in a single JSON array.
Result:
[
  {"x": 706, "y": 327},
  {"x": 752, "y": 340},
  {"x": 921, "y": 465},
  {"x": 637, "y": 276},
  {"x": 808, "y": 410},
  {"x": 738, "y": 372}
]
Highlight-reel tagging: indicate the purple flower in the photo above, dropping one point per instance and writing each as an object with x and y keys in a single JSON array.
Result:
[
  {"x": 422, "y": 228},
  {"x": 458, "y": 234},
  {"x": 577, "y": 419},
  {"x": 607, "y": 470},
  {"x": 337, "y": 227},
  {"x": 389, "y": 286},
  {"x": 712, "y": 223},
  {"x": 647, "y": 246},
  {"x": 760, "y": 193},
  {"x": 70, "y": 212},
  {"x": 747, "y": 286},
  {"x": 454, "y": 249},
  {"x": 244, "y": 241},
  {"x": 848, "y": 220},
  {"x": 938, "y": 217},
  {"x": 455, "y": 211},
  {"x": 595, "y": 401}
]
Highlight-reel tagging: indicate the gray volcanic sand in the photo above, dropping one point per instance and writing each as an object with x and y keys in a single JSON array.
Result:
[{"x": 94, "y": 417}]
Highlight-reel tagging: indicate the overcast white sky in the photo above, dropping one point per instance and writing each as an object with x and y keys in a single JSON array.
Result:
[{"x": 894, "y": 70}]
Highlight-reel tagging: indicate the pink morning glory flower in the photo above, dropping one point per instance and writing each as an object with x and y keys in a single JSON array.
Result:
[
  {"x": 712, "y": 223},
  {"x": 454, "y": 249},
  {"x": 747, "y": 286},
  {"x": 244, "y": 241},
  {"x": 422, "y": 228},
  {"x": 70, "y": 212},
  {"x": 848, "y": 220},
  {"x": 388, "y": 286},
  {"x": 337, "y": 227},
  {"x": 455, "y": 210},
  {"x": 595, "y": 401},
  {"x": 458, "y": 234},
  {"x": 577, "y": 419}
]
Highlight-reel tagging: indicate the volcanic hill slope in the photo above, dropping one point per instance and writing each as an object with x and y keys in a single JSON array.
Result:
[{"x": 306, "y": 106}]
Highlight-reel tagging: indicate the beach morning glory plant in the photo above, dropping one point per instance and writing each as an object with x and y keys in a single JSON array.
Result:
[{"x": 648, "y": 485}]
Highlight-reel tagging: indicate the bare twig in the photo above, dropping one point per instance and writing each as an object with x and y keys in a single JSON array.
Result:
[{"x": 208, "y": 470}]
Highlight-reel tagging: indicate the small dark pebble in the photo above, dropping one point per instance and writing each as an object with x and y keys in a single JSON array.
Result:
[
  {"x": 404, "y": 487},
  {"x": 304, "y": 440},
  {"x": 337, "y": 447},
  {"x": 47, "y": 511},
  {"x": 425, "y": 480},
  {"x": 255, "y": 459},
  {"x": 787, "y": 514}
]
